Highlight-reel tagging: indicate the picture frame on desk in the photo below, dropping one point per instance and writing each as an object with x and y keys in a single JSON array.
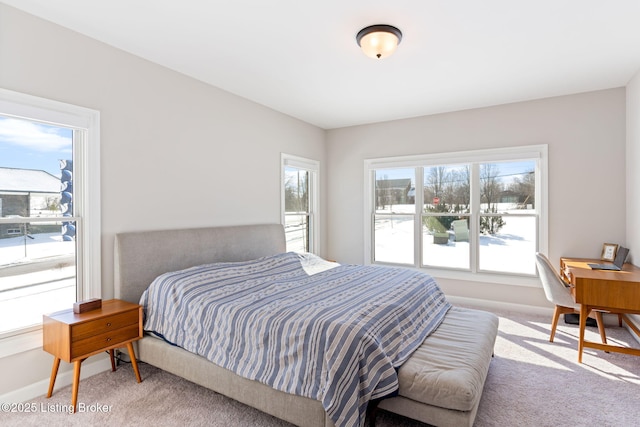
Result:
[{"x": 609, "y": 251}]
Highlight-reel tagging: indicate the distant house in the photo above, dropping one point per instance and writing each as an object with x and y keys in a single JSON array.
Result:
[
  {"x": 27, "y": 193},
  {"x": 393, "y": 192},
  {"x": 518, "y": 199}
]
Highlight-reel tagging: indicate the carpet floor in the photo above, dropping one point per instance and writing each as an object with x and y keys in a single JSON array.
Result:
[{"x": 531, "y": 382}]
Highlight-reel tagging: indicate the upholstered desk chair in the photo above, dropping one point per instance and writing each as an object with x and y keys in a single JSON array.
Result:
[{"x": 559, "y": 293}]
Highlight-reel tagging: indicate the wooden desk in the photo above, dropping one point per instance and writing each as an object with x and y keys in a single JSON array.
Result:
[{"x": 614, "y": 291}]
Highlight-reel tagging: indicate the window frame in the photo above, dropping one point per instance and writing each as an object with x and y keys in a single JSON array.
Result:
[
  {"x": 529, "y": 152},
  {"x": 313, "y": 167},
  {"x": 85, "y": 123}
]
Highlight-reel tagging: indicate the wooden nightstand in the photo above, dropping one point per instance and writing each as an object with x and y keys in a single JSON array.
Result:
[{"x": 73, "y": 337}]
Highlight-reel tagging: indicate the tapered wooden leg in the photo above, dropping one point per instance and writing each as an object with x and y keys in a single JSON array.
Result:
[
  {"x": 584, "y": 312},
  {"x": 603, "y": 336},
  {"x": 554, "y": 323},
  {"x": 54, "y": 374},
  {"x": 113, "y": 361},
  {"x": 76, "y": 384},
  {"x": 134, "y": 362}
]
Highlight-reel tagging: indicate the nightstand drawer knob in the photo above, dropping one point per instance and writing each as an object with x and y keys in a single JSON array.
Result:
[
  {"x": 109, "y": 324},
  {"x": 108, "y": 339}
]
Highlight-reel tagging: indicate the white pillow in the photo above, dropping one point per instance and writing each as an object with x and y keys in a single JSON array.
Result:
[{"x": 313, "y": 264}]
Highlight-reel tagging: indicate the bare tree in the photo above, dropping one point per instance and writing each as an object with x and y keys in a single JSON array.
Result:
[
  {"x": 296, "y": 191},
  {"x": 461, "y": 179},
  {"x": 436, "y": 181},
  {"x": 525, "y": 187},
  {"x": 490, "y": 189},
  {"x": 490, "y": 186}
]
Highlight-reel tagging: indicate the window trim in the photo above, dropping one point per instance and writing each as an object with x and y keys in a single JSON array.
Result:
[
  {"x": 539, "y": 152},
  {"x": 313, "y": 167},
  {"x": 86, "y": 124}
]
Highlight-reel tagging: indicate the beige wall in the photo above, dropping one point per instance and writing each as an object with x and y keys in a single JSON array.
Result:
[
  {"x": 585, "y": 134},
  {"x": 633, "y": 174},
  {"x": 632, "y": 169},
  {"x": 175, "y": 152}
]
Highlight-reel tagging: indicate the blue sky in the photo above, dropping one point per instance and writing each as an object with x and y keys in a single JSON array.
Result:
[{"x": 29, "y": 145}]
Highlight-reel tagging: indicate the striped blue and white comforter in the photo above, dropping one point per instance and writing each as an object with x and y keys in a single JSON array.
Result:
[{"x": 335, "y": 336}]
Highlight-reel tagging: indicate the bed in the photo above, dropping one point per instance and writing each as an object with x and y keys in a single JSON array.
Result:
[{"x": 440, "y": 381}]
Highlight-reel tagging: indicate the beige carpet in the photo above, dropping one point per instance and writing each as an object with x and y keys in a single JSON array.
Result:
[{"x": 531, "y": 382}]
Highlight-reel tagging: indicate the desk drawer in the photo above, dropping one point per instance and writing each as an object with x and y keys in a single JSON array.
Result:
[
  {"x": 94, "y": 343},
  {"x": 104, "y": 325}
]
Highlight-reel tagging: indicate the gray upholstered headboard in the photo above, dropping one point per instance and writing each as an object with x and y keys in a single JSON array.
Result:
[{"x": 142, "y": 256}]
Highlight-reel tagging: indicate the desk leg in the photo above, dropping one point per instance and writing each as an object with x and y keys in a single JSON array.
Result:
[
  {"x": 54, "y": 374},
  {"x": 600, "y": 320},
  {"x": 584, "y": 312},
  {"x": 134, "y": 362},
  {"x": 76, "y": 384}
]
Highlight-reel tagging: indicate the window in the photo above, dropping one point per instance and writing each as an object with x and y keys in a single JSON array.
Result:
[
  {"x": 471, "y": 212},
  {"x": 300, "y": 203},
  {"x": 50, "y": 210}
]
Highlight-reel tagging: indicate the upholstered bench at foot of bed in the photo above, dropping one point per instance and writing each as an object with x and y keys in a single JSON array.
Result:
[{"x": 442, "y": 382}]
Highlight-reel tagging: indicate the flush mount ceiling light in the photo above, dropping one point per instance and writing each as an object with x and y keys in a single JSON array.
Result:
[{"x": 379, "y": 41}]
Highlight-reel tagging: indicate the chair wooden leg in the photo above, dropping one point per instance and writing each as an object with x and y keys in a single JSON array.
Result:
[
  {"x": 584, "y": 313},
  {"x": 554, "y": 324}
]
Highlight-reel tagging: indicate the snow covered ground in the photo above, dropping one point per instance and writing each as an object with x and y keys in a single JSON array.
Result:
[
  {"x": 37, "y": 276},
  {"x": 16, "y": 250},
  {"x": 510, "y": 250}
]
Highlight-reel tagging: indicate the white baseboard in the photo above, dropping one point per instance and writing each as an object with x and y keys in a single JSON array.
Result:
[{"x": 63, "y": 379}]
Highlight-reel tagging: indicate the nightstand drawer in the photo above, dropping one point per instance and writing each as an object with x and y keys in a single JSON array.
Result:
[
  {"x": 102, "y": 341},
  {"x": 104, "y": 325}
]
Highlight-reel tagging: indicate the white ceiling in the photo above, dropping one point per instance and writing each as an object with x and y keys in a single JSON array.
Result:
[{"x": 301, "y": 58}]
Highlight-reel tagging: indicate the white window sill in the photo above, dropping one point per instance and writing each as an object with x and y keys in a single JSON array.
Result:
[
  {"x": 498, "y": 278},
  {"x": 20, "y": 343}
]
